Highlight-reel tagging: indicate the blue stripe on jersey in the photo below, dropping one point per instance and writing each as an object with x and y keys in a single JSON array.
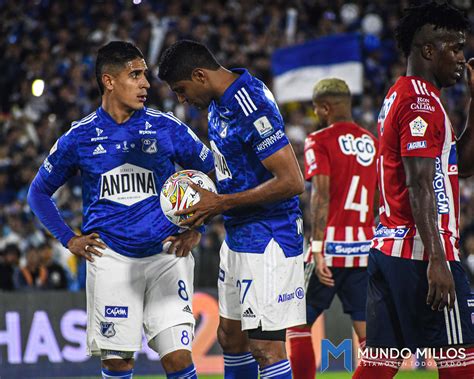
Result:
[{"x": 123, "y": 168}]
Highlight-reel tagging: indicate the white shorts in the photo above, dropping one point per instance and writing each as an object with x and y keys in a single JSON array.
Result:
[
  {"x": 262, "y": 289},
  {"x": 125, "y": 294}
]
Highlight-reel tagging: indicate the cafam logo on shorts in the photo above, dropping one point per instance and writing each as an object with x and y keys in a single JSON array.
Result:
[
  {"x": 127, "y": 184},
  {"x": 116, "y": 311}
]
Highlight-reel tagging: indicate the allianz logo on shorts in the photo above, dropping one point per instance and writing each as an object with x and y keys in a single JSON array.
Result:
[
  {"x": 299, "y": 294},
  {"x": 127, "y": 184},
  {"x": 116, "y": 311}
]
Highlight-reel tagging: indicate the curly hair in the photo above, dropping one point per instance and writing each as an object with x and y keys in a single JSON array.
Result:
[{"x": 441, "y": 15}]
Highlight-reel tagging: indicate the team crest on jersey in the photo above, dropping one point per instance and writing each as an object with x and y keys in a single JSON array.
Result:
[
  {"x": 149, "y": 145},
  {"x": 418, "y": 127},
  {"x": 107, "y": 329},
  {"x": 263, "y": 126},
  {"x": 223, "y": 129}
]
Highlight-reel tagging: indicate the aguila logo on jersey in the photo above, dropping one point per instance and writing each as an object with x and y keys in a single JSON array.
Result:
[
  {"x": 362, "y": 147},
  {"x": 149, "y": 145},
  {"x": 127, "y": 184}
]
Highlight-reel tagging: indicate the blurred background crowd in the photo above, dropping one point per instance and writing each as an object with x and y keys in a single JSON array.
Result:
[{"x": 47, "y": 80}]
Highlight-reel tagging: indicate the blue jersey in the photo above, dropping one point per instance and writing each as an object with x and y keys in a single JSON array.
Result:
[
  {"x": 245, "y": 127},
  {"x": 123, "y": 167}
]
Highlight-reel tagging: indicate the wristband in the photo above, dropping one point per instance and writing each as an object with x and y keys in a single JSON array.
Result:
[{"x": 316, "y": 247}]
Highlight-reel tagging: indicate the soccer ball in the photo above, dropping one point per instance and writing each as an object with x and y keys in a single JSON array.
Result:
[{"x": 177, "y": 194}]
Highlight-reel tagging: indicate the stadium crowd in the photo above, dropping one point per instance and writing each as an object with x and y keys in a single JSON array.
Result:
[{"x": 55, "y": 42}]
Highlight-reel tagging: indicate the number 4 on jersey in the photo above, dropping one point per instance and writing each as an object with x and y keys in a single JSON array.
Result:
[{"x": 362, "y": 206}]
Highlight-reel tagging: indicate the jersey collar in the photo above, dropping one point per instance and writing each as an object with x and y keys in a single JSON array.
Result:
[
  {"x": 235, "y": 86},
  {"x": 108, "y": 119}
]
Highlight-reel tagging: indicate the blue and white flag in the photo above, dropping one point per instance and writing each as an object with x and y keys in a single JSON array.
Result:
[{"x": 296, "y": 69}]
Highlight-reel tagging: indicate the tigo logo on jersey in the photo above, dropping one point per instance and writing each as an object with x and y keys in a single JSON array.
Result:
[
  {"x": 116, "y": 311},
  {"x": 418, "y": 127},
  {"x": 99, "y": 150},
  {"x": 263, "y": 126},
  {"x": 416, "y": 145},
  {"x": 127, "y": 184},
  {"x": 362, "y": 147}
]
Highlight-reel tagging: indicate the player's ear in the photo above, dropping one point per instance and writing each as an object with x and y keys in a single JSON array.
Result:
[
  {"x": 199, "y": 75},
  {"x": 108, "y": 81},
  {"x": 427, "y": 51}
]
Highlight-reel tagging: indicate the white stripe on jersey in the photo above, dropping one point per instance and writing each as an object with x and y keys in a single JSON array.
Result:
[
  {"x": 349, "y": 260},
  {"x": 86, "y": 120},
  {"x": 417, "y": 91},
  {"x": 154, "y": 113},
  {"x": 382, "y": 175},
  {"x": 418, "y": 247},
  {"x": 397, "y": 247},
  {"x": 245, "y": 101},
  {"x": 252, "y": 105},
  {"x": 425, "y": 89},
  {"x": 448, "y": 326},
  {"x": 420, "y": 86},
  {"x": 363, "y": 260},
  {"x": 246, "y": 112}
]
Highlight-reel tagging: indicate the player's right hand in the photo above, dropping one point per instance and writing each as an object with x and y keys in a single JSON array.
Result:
[
  {"x": 441, "y": 291},
  {"x": 86, "y": 246},
  {"x": 323, "y": 272}
]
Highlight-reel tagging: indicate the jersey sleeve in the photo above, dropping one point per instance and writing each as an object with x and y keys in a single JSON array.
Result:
[
  {"x": 189, "y": 151},
  {"x": 421, "y": 127},
  {"x": 62, "y": 161},
  {"x": 316, "y": 159},
  {"x": 265, "y": 132}
]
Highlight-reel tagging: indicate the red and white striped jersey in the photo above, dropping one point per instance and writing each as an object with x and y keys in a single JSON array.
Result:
[
  {"x": 413, "y": 123},
  {"x": 346, "y": 153}
]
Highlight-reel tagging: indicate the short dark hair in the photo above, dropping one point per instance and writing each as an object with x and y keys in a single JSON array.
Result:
[
  {"x": 440, "y": 15},
  {"x": 180, "y": 59},
  {"x": 114, "y": 55}
]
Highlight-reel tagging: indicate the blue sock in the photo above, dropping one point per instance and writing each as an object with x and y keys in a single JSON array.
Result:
[
  {"x": 108, "y": 374},
  {"x": 240, "y": 366},
  {"x": 187, "y": 373},
  {"x": 279, "y": 370}
]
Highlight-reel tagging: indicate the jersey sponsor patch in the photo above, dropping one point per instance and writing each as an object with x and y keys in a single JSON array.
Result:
[
  {"x": 362, "y": 147},
  {"x": 442, "y": 199},
  {"x": 347, "y": 248},
  {"x": 54, "y": 148},
  {"x": 422, "y": 105},
  {"x": 222, "y": 168},
  {"x": 127, "y": 184},
  {"x": 263, "y": 126},
  {"x": 269, "y": 141},
  {"x": 116, "y": 311},
  {"x": 418, "y": 127},
  {"x": 416, "y": 145},
  {"x": 384, "y": 232}
]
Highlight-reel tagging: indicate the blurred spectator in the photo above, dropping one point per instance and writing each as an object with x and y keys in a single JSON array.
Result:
[
  {"x": 33, "y": 275},
  {"x": 9, "y": 259},
  {"x": 57, "y": 278}
]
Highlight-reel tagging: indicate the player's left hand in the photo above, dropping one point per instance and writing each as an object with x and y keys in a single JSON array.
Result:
[
  {"x": 209, "y": 205},
  {"x": 183, "y": 243}
]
